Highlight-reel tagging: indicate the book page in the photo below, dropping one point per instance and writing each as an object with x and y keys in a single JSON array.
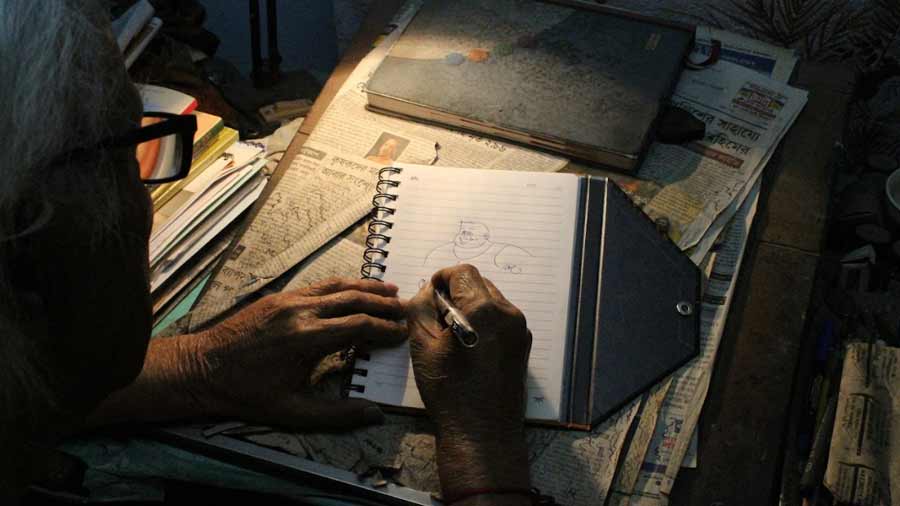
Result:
[{"x": 518, "y": 229}]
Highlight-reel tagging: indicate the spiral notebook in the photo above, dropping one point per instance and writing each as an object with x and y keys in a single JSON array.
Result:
[{"x": 534, "y": 236}]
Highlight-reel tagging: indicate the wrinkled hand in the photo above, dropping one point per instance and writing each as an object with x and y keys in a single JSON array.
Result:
[
  {"x": 259, "y": 364},
  {"x": 476, "y": 396},
  {"x": 479, "y": 388}
]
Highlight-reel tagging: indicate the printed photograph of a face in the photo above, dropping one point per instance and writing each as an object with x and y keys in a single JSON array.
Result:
[{"x": 387, "y": 149}]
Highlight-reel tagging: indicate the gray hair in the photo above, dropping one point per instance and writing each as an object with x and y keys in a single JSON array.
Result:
[{"x": 63, "y": 86}]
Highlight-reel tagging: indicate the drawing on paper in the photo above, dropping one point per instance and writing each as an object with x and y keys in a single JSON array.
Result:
[{"x": 473, "y": 245}]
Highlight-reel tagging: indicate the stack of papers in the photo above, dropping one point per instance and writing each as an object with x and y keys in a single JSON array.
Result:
[
  {"x": 161, "y": 99},
  {"x": 199, "y": 213},
  {"x": 225, "y": 179},
  {"x": 134, "y": 29}
]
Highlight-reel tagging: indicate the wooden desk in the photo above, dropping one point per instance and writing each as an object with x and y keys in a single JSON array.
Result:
[{"x": 743, "y": 425}]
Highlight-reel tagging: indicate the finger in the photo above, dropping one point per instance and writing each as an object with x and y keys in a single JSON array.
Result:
[
  {"x": 308, "y": 413},
  {"x": 361, "y": 329},
  {"x": 463, "y": 282},
  {"x": 494, "y": 291},
  {"x": 422, "y": 304},
  {"x": 354, "y": 301},
  {"x": 423, "y": 319},
  {"x": 334, "y": 285}
]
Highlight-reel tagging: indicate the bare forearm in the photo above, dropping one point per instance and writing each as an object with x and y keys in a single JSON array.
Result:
[
  {"x": 166, "y": 389},
  {"x": 483, "y": 464}
]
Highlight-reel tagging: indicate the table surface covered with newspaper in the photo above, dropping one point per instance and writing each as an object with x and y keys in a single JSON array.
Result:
[{"x": 707, "y": 190}]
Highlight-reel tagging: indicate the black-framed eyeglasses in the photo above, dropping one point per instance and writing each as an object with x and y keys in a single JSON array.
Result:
[{"x": 164, "y": 146}]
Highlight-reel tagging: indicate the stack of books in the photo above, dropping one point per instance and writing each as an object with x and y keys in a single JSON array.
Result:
[{"x": 190, "y": 214}]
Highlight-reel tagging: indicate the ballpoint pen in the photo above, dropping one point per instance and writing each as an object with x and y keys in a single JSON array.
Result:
[{"x": 459, "y": 325}]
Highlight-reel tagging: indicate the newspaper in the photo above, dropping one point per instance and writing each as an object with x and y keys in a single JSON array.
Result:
[
  {"x": 746, "y": 114},
  {"x": 680, "y": 410},
  {"x": 766, "y": 59},
  {"x": 863, "y": 467},
  {"x": 630, "y": 467},
  {"x": 341, "y": 258},
  {"x": 318, "y": 198},
  {"x": 330, "y": 185},
  {"x": 772, "y": 61}
]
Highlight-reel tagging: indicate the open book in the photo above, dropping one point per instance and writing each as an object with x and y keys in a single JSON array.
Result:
[{"x": 548, "y": 241}]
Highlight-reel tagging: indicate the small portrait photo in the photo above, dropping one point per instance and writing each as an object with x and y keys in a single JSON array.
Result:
[{"x": 387, "y": 149}]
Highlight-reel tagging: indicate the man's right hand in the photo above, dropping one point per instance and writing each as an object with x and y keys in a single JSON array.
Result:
[{"x": 476, "y": 396}]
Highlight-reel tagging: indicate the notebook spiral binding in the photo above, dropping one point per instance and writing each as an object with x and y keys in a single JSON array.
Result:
[
  {"x": 374, "y": 255},
  {"x": 379, "y": 225}
]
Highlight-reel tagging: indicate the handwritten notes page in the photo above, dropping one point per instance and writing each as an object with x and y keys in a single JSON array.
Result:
[{"x": 518, "y": 229}]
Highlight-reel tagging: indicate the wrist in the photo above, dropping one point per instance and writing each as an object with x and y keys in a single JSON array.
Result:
[
  {"x": 471, "y": 459},
  {"x": 186, "y": 376},
  {"x": 197, "y": 359},
  {"x": 170, "y": 386}
]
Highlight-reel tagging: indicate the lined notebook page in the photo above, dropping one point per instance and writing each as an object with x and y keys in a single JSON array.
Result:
[{"x": 518, "y": 229}]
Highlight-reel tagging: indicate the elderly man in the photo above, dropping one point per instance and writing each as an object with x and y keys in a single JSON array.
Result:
[{"x": 76, "y": 314}]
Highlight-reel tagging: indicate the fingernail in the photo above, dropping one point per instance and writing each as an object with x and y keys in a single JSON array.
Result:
[
  {"x": 391, "y": 286},
  {"x": 373, "y": 415}
]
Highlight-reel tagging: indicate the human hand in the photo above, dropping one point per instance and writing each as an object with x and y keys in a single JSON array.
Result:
[
  {"x": 258, "y": 365},
  {"x": 476, "y": 396}
]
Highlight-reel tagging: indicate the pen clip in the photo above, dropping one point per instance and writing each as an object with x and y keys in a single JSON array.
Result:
[{"x": 465, "y": 334}]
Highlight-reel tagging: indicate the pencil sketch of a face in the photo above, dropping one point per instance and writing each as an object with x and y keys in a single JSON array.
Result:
[
  {"x": 472, "y": 244},
  {"x": 471, "y": 235}
]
